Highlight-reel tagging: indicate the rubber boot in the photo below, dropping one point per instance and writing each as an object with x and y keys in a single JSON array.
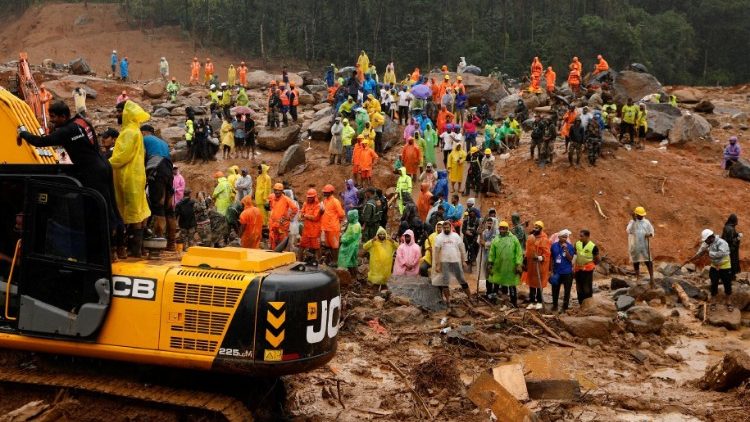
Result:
[
  {"x": 171, "y": 233},
  {"x": 135, "y": 243},
  {"x": 160, "y": 226},
  {"x": 121, "y": 243}
]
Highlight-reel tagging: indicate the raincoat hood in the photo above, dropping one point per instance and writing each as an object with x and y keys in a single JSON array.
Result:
[
  {"x": 424, "y": 187},
  {"x": 349, "y": 184},
  {"x": 382, "y": 230},
  {"x": 410, "y": 233},
  {"x": 352, "y": 217},
  {"x": 234, "y": 170},
  {"x": 403, "y": 171},
  {"x": 264, "y": 169},
  {"x": 133, "y": 114}
]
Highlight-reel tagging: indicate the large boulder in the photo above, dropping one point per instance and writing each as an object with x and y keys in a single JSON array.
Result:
[
  {"x": 661, "y": 118},
  {"x": 730, "y": 372},
  {"x": 740, "y": 170},
  {"x": 345, "y": 72},
  {"x": 704, "y": 106},
  {"x": 722, "y": 317},
  {"x": 306, "y": 76},
  {"x": 688, "y": 128},
  {"x": 391, "y": 134},
  {"x": 79, "y": 66},
  {"x": 294, "y": 156},
  {"x": 160, "y": 112},
  {"x": 261, "y": 79},
  {"x": 154, "y": 89},
  {"x": 644, "y": 319},
  {"x": 635, "y": 85},
  {"x": 478, "y": 87},
  {"x": 172, "y": 134},
  {"x": 473, "y": 70},
  {"x": 317, "y": 88},
  {"x": 278, "y": 139},
  {"x": 598, "y": 305},
  {"x": 320, "y": 128},
  {"x": 506, "y": 106},
  {"x": 688, "y": 95},
  {"x": 305, "y": 98},
  {"x": 588, "y": 326}
]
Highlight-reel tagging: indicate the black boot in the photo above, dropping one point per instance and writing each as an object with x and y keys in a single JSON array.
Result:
[{"x": 135, "y": 243}]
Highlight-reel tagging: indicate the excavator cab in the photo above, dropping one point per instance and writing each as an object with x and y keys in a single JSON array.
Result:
[{"x": 56, "y": 234}]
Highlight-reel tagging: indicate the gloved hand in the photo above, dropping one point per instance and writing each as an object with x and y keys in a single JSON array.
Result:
[{"x": 540, "y": 258}]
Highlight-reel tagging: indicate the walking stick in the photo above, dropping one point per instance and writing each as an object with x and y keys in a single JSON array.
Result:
[
  {"x": 479, "y": 268},
  {"x": 538, "y": 275}
]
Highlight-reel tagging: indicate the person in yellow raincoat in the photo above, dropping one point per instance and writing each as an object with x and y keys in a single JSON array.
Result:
[
  {"x": 381, "y": 250},
  {"x": 227, "y": 137},
  {"x": 129, "y": 172},
  {"x": 231, "y": 75},
  {"x": 364, "y": 63},
  {"x": 222, "y": 194},
  {"x": 456, "y": 161},
  {"x": 262, "y": 190},
  {"x": 372, "y": 105},
  {"x": 389, "y": 78},
  {"x": 234, "y": 174}
]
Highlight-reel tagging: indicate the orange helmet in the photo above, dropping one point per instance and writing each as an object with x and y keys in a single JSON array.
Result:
[
  {"x": 328, "y": 189},
  {"x": 291, "y": 84},
  {"x": 218, "y": 174},
  {"x": 278, "y": 186},
  {"x": 312, "y": 193},
  {"x": 273, "y": 82},
  {"x": 208, "y": 59}
]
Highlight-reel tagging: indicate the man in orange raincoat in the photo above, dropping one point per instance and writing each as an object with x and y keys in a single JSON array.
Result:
[
  {"x": 423, "y": 201},
  {"x": 411, "y": 156},
  {"x": 536, "y": 74},
  {"x": 574, "y": 81},
  {"x": 602, "y": 66},
  {"x": 251, "y": 223},
  {"x": 575, "y": 64},
  {"x": 444, "y": 85},
  {"x": 444, "y": 116},
  {"x": 367, "y": 158},
  {"x": 537, "y": 265},
  {"x": 311, "y": 214},
  {"x": 333, "y": 215},
  {"x": 567, "y": 121},
  {"x": 356, "y": 153},
  {"x": 282, "y": 211},
  {"x": 242, "y": 72},
  {"x": 415, "y": 75},
  {"x": 195, "y": 70},
  {"x": 550, "y": 76},
  {"x": 208, "y": 71}
]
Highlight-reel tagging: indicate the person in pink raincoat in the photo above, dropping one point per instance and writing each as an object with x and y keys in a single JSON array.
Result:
[
  {"x": 407, "y": 256},
  {"x": 178, "y": 184}
]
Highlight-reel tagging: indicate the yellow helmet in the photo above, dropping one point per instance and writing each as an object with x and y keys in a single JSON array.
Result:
[
  {"x": 504, "y": 224},
  {"x": 473, "y": 150},
  {"x": 539, "y": 223},
  {"x": 487, "y": 151},
  {"x": 640, "y": 211}
]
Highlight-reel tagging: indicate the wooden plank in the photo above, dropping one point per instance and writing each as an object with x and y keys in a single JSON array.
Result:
[
  {"x": 511, "y": 377},
  {"x": 487, "y": 393}
]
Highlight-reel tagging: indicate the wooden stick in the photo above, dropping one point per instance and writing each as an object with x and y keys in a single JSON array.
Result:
[
  {"x": 662, "y": 185},
  {"x": 561, "y": 342},
  {"x": 413, "y": 391},
  {"x": 599, "y": 208},
  {"x": 682, "y": 296},
  {"x": 481, "y": 312},
  {"x": 544, "y": 326},
  {"x": 338, "y": 390}
]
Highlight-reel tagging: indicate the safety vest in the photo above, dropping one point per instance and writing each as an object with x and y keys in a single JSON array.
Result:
[
  {"x": 226, "y": 98},
  {"x": 284, "y": 99},
  {"x": 214, "y": 96},
  {"x": 295, "y": 101},
  {"x": 585, "y": 256},
  {"x": 629, "y": 113},
  {"x": 189, "y": 131},
  {"x": 209, "y": 68}
]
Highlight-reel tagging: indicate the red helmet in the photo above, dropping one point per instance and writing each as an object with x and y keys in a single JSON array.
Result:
[
  {"x": 312, "y": 193},
  {"x": 328, "y": 189}
]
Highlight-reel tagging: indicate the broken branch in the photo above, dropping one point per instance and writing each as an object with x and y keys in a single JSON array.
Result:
[
  {"x": 544, "y": 326},
  {"x": 599, "y": 208},
  {"x": 416, "y": 395},
  {"x": 682, "y": 296}
]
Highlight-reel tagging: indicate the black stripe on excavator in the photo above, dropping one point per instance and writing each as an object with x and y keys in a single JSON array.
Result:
[{"x": 236, "y": 351}]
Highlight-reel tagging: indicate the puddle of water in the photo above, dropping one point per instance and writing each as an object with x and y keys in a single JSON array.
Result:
[{"x": 695, "y": 357}]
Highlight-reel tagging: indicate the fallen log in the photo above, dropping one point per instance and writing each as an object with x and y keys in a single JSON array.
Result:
[{"x": 682, "y": 296}]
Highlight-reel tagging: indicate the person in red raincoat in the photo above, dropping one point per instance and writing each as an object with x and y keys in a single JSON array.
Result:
[
  {"x": 411, "y": 156},
  {"x": 537, "y": 265},
  {"x": 251, "y": 223},
  {"x": 423, "y": 201}
]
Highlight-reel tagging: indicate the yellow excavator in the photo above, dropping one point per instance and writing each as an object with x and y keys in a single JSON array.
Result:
[{"x": 235, "y": 310}]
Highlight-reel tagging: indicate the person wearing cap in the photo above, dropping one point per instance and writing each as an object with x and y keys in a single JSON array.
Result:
[
  {"x": 576, "y": 137},
  {"x": 448, "y": 255},
  {"x": 124, "y": 69},
  {"x": 225, "y": 99},
  {"x": 640, "y": 231},
  {"x": 641, "y": 126},
  {"x": 537, "y": 265},
  {"x": 195, "y": 70},
  {"x": 561, "y": 266},
  {"x": 243, "y": 185},
  {"x": 186, "y": 219},
  {"x": 718, "y": 252},
  {"x": 574, "y": 81},
  {"x": 173, "y": 87},
  {"x": 333, "y": 215},
  {"x": 504, "y": 265},
  {"x": 292, "y": 95},
  {"x": 262, "y": 190},
  {"x": 213, "y": 96},
  {"x": 222, "y": 194},
  {"x": 367, "y": 159},
  {"x": 311, "y": 214},
  {"x": 444, "y": 118},
  {"x": 587, "y": 257},
  {"x": 79, "y": 100},
  {"x": 208, "y": 71},
  {"x": 160, "y": 184},
  {"x": 113, "y": 63},
  {"x": 282, "y": 210},
  {"x": 732, "y": 153},
  {"x": 274, "y": 106},
  {"x": 601, "y": 66},
  {"x": 164, "y": 68}
]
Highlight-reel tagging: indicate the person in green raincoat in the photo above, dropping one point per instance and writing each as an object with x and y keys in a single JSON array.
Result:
[
  {"x": 173, "y": 87},
  {"x": 430, "y": 143},
  {"x": 222, "y": 194},
  {"x": 403, "y": 185},
  {"x": 242, "y": 99},
  {"x": 504, "y": 264},
  {"x": 489, "y": 135},
  {"x": 350, "y": 243},
  {"x": 422, "y": 144},
  {"x": 361, "y": 119},
  {"x": 381, "y": 250}
]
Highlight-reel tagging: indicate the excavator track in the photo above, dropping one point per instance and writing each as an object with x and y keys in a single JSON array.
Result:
[{"x": 231, "y": 408}]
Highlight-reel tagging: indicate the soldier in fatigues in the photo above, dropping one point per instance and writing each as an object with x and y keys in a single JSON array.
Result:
[{"x": 202, "y": 220}]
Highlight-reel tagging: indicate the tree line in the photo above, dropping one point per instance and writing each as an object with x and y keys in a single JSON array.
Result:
[{"x": 679, "y": 41}]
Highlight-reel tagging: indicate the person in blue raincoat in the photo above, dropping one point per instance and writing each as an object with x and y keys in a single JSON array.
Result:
[
  {"x": 113, "y": 62},
  {"x": 124, "y": 68},
  {"x": 370, "y": 86},
  {"x": 441, "y": 186},
  {"x": 330, "y": 77}
]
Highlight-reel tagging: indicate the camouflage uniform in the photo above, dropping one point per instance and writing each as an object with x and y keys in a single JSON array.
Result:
[
  {"x": 593, "y": 141},
  {"x": 203, "y": 223},
  {"x": 219, "y": 229}
]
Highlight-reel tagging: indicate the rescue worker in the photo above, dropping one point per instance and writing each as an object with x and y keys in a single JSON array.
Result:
[
  {"x": 641, "y": 126},
  {"x": 629, "y": 118},
  {"x": 189, "y": 136},
  {"x": 733, "y": 239},
  {"x": 350, "y": 244},
  {"x": 124, "y": 71},
  {"x": 173, "y": 87},
  {"x": 195, "y": 70},
  {"x": 601, "y": 66},
  {"x": 411, "y": 157},
  {"x": 381, "y": 250},
  {"x": 333, "y": 215},
  {"x": 208, "y": 71},
  {"x": 311, "y": 214},
  {"x": 640, "y": 231},
  {"x": 262, "y": 190},
  {"x": 550, "y": 77},
  {"x": 536, "y": 74},
  {"x": 537, "y": 265},
  {"x": 113, "y": 62},
  {"x": 574, "y": 81},
  {"x": 403, "y": 186},
  {"x": 164, "y": 68},
  {"x": 576, "y": 65},
  {"x": 504, "y": 265},
  {"x": 222, "y": 195},
  {"x": 561, "y": 266},
  {"x": 586, "y": 260},
  {"x": 251, "y": 224},
  {"x": 129, "y": 173},
  {"x": 566, "y": 123},
  {"x": 293, "y": 95},
  {"x": 242, "y": 72},
  {"x": 717, "y": 250},
  {"x": 282, "y": 210},
  {"x": 576, "y": 137},
  {"x": 231, "y": 75},
  {"x": 367, "y": 159},
  {"x": 371, "y": 214},
  {"x": 423, "y": 201}
]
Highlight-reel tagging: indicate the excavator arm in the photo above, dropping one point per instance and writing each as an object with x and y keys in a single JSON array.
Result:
[
  {"x": 29, "y": 90},
  {"x": 15, "y": 114}
]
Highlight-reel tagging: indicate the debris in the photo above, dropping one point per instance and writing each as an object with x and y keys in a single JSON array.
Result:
[
  {"x": 644, "y": 319},
  {"x": 403, "y": 314},
  {"x": 487, "y": 393},
  {"x": 599, "y": 208},
  {"x": 588, "y": 326},
  {"x": 29, "y": 411},
  {"x": 553, "y": 389},
  {"x": 730, "y": 372},
  {"x": 639, "y": 356},
  {"x": 293, "y": 157},
  {"x": 684, "y": 299},
  {"x": 511, "y": 377},
  {"x": 438, "y": 372},
  {"x": 544, "y": 326},
  {"x": 414, "y": 392},
  {"x": 618, "y": 283}
]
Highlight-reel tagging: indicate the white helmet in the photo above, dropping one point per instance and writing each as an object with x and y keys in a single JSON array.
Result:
[
  {"x": 223, "y": 84},
  {"x": 164, "y": 58},
  {"x": 705, "y": 234},
  {"x": 114, "y": 51},
  {"x": 213, "y": 86}
]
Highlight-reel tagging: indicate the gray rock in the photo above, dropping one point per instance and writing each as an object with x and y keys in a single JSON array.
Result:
[
  {"x": 595, "y": 100},
  {"x": 669, "y": 268},
  {"x": 635, "y": 85},
  {"x": 160, "y": 112},
  {"x": 619, "y": 292},
  {"x": 179, "y": 154},
  {"x": 306, "y": 98},
  {"x": 90, "y": 92},
  {"x": 478, "y": 87},
  {"x": 644, "y": 319},
  {"x": 690, "y": 289},
  {"x": 320, "y": 128},
  {"x": 661, "y": 119},
  {"x": 689, "y": 128},
  {"x": 173, "y": 134},
  {"x": 306, "y": 76},
  {"x": 278, "y": 139},
  {"x": 473, "y": 70},
  {"x": 588, "y": 326},
  {"x": 294, "y": 156},
  {"x": 740, "y": 117},
  {"x": 704, "y": 106},
  {"x": 618, "y": 283},
  {"x": 318, "y": 88},
  {"x": 178, "y": 112},
  {"x": 624, "y": 303},
  {"x": 80, "y": 66},
  {"x": 721, "y": 317},
  {"x": 345, "y": 72},
  {"x": 419, "y": 290}
]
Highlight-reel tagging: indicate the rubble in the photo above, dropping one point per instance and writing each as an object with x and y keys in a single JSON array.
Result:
[
  {"x": 588, "y": 326},
  {"x": 487, "y": 393},
  {"x": 644, "y": 319},
  {"x": 730, "y": 372}
]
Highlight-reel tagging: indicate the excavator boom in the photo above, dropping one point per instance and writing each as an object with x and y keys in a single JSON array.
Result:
[{"x": 29, "y": 90}]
